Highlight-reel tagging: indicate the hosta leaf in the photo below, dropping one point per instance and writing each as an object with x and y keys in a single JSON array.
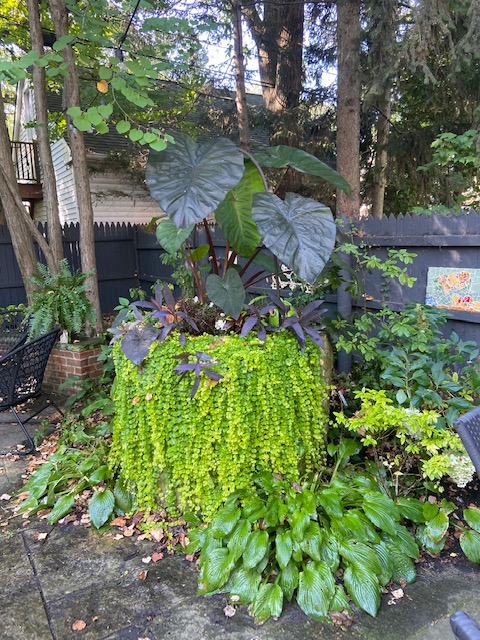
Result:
[
  {"x": 245, "y": 584},
  {"x": 228, "y": 292},
  {"x": 404, "y": 541},
  {"x": 299, "y": 522},
  {"x": 238, "y": 538},
  {"x": 430, "y": 510},
  {"x": 316, "y": 587},
  {"x": 360, "y": 554},
  {"x": 208, "y": 545},
  {"x": 225, "y": 520},
  {"x": 170, "y": 237},
  {"x": 329, "y": 552},
  {"x": 271, "y": 512},
  {"x": 410, "y": 508},
  {"x": 356, "y": 526},
  {"x": 299, "y": 231},
  {"x": 255, "y": 549},
  {"x": 470, "y": 543},
  {"x": 283, "y": 548},
  {"x": 284, "y": 156},
  {"x": 363, "y": 587},
  {"x": 216, "y": 570},
  {"x": 62, "y": 506},
  {"x": 253, "y": 508},
  {"x": 190, "y": 180},
  {"x": 312, "y": 541},
  {"x": 288, "y": 580},
  {"x": 472, "y": 517},
  {"x": 380, "y": 510},
  {"x": 434, "y": 548},
  {"x": 340, "y": 601},
  {"x": 268, "y": 602},
  {"x": 100, "y": 507},
  {"x": 234, "y": 214},
  {"x": 403, "y": 567},
  {"x": 437, "y": 527},
  {"x": 123, "y": 497},
  {"x": 385, "y": 560}
]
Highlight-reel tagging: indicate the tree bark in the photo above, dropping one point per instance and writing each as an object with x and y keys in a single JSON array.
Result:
[
  {"x": 348, "y": 105},
  {"x": 240, "y": 93},
  {"x": 381, "y": 155},
  {"x": 22, "y": 240},
  {"x": 279, "y": 41},
  {"x": 50, "y": 196},
  {"x": 77, "y": 147}
]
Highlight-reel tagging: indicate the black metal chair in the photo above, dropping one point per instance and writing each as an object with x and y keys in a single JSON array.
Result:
[
  {"x": 468, "y": 428},
  {"x": 21, "y": 378},
  {"x": 13, "y": 330},
  {"x": 463, "y": 627}
]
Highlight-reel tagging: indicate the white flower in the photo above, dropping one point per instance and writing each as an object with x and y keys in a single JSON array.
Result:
[
  {"x": 220, "y": 324},
  {"x": 461, "y": 469},
  {"x": 195, "y": 299}
]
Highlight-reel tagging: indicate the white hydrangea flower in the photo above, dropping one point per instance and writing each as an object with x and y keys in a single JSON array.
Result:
[
  {"x": 220, "y": 324},
  {"x": 461, "y": 469}
]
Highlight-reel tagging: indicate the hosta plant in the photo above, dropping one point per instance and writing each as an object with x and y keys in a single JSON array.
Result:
[{"x": 322, "y": 544}]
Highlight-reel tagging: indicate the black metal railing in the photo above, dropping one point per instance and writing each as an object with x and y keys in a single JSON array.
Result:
[{"x": 25, "y": 159}]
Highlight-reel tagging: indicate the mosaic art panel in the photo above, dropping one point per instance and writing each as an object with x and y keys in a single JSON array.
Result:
[{"x": 455, "y": 289}]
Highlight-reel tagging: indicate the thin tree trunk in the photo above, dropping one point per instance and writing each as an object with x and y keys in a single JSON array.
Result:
[
  {"x": 348, "y": 105},
  {"x": 240, "y": 93},
  {"x": 50, "y": 196},
  {"x": 77, "y": 147},
  {"x": 381, "y": 156},
  {"x": 21, "y": 239}
]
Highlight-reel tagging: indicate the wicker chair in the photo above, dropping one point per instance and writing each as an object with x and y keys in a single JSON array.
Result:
[
  {"x": 468, "y": 428},
  {"x": 463, "y": 627},
  {"x": 13, "y": 330},
  {"x": 21, "y": 378}
]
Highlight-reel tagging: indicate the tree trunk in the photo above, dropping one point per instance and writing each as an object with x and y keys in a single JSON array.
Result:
[
  {"x": 279, "y": 41},
  {"x": 381, "y": 155},
  {"x": 50, "y": 196},
  {"x": 21, "y": 239},
  {"x": 240, "y": 94},
  {"x": 77, "y": 147},
  {"x": 348, "y": 105}
]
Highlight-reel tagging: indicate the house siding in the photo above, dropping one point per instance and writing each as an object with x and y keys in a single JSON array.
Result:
[
  {"x": 116, "y": 196},
  {"x": 62, "y": 163}
]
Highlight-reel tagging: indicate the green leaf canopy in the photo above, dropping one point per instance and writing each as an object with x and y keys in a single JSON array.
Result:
[
  {"x": 283, "y": 156},
  {"x": 299, "y": 231},
  {"x": 189, "y": 180}
]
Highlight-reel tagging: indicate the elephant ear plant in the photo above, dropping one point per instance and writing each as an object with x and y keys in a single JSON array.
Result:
[{"x": 192, "y": 181}]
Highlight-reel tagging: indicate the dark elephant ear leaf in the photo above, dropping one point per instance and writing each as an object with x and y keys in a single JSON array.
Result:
[
  {"x": 137, "y": 342},
  {"x": 190, "y": 180}
]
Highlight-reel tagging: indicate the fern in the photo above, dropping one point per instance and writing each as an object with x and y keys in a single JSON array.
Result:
[{"x": 60, "y": 299}]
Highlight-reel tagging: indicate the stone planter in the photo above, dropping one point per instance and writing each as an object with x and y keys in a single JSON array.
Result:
[
  {"x": 268, "y": 412},
  {"x": 79, "y": 360}
]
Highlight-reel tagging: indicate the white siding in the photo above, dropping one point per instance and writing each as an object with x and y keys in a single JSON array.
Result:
[
  {"x": 62, "y": 163},
  {"x": 118, "y": 198}
]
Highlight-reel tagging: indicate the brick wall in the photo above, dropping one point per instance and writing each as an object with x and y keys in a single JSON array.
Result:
[{"x": 72, "y": 360}]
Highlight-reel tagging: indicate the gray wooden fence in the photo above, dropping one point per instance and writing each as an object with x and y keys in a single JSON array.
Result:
[{"x": 129, "y": 256}]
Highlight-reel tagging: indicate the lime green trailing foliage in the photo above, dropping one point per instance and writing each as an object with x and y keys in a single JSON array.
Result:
[
  {"x": 60, "y": 300},
  {"x": 265, "y": 411}
]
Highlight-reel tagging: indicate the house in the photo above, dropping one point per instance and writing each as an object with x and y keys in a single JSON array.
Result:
[{"x": 118, "y": 194}]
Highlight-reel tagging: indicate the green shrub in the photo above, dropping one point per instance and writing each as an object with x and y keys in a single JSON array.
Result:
[
  {"x": 60, "y": 299},
  {"x": 266, "y": 412}
]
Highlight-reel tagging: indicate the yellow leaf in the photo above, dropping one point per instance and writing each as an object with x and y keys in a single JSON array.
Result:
[{"x": 102, "y": 86}]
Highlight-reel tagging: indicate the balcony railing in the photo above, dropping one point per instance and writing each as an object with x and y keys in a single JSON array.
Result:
[{"x": 25, "y": 159}]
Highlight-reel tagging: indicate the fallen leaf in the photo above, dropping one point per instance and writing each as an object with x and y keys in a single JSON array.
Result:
[
  {"x": 147, "y": 559},
  {"x": 190, "y": 557},
  {"x": 157, "y": 556},
  {"x": 341, "y": 618},
  {"x": 119, "y": 521},
  {"x": 148, "y": 396},
  {"x": 143, "y": 575},
  {"x": 119, "y": 536},
  {"x": 128, "y": 533},
  {"x": 40, "y": 536},
  {"x": 78, "y": 625},
  {"x": 397, "y": 594},
  {"x": 5, "y": 496},
  {"x": 157, "y": 534}
]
